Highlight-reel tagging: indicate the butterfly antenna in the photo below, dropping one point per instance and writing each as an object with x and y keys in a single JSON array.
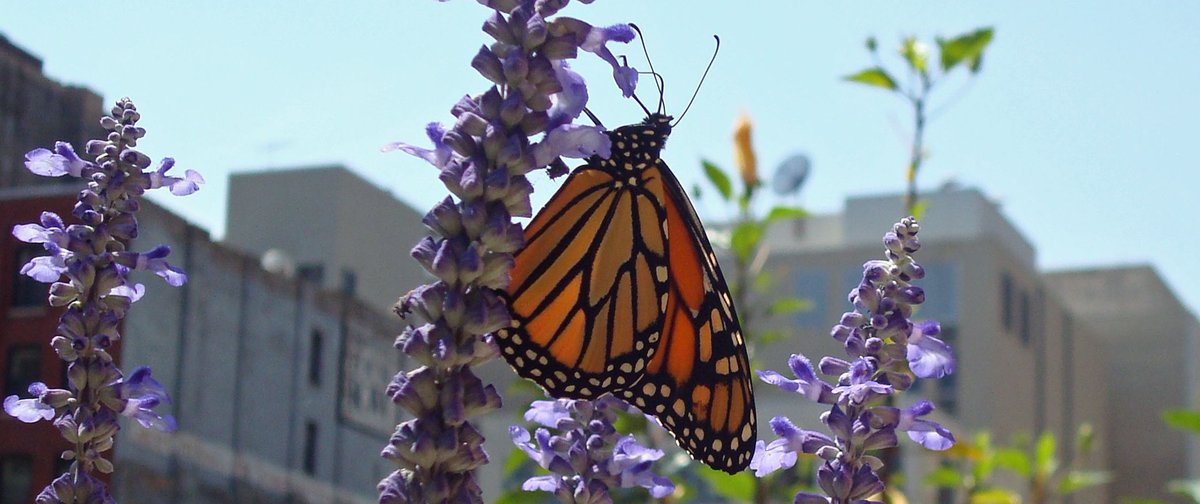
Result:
[
  {"x": 634, "y": 95},
  {"x": 697, "y": 91},
  {"x": 657, "y": 78},
  {"x": 593, "y": 117}
]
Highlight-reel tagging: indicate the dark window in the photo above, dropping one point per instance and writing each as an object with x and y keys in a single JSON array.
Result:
[
  {"x": 946, "y": 496},
  {"x": 310, "y": 447},
  {"x": 312, "y": 272},
  {"x": 1026, "y": 326},
  {"x": 24, "y": 366},
  {"x": 1006, "y": 301},
  {"x": 16, "y": 479},
  {"x": 316, "y": 346},
  {"x": 349, "y": 282},
  {"x": 28, "y": 292}
]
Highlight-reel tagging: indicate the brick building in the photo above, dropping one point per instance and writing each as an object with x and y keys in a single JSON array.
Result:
[{"x": 34, "y": 112}]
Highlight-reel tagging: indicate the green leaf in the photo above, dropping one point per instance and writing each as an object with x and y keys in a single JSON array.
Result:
[
  {"x": 994, "y": 496},
  {"x": 696, "y": 192},
  {"x": 918, "y": 210},
  {"x": 1078, "y": 480},
  {"x": 785, "y": 212},
  {"x": 1045, "y": 460},
  {"x": 916, "y": 54},
  {"x": 1183, "y": 419},
  {"x": 1014, "y": 460},
  {"x": 967, "y": 48},
  {"x": 746, "y": 237},
  {"x": 518, "y": 496},
  {"x": 737, "y": 487},
  {"x": 1085, "y": 438},
  {"x": 1187, "y": 488},
  {"x": 944, "y": 477},
  {"x": 877, "y": 77},
  {"x": 789, "y": 305},
  {"x": 719, "y": 179}
]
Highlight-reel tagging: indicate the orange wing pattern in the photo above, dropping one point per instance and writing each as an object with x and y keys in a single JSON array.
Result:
[
  {"x": 618, "y": 291},
  {"x": 586, "y": 296}
]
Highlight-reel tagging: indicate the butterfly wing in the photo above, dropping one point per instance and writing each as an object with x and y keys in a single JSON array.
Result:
[
  {"x": 698, "y": 382},
  {"x": 586, "y": 291}
]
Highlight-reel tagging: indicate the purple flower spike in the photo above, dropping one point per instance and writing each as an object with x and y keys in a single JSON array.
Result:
[
  {"x": 886, "y": 349},
  {"x": 587, "y": 456},
  {"x": 521, "y": 123},
  {"x": 89, "y": 268}
]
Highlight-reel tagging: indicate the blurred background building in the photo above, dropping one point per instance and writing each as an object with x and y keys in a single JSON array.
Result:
[{"x": 278, "y": 349}]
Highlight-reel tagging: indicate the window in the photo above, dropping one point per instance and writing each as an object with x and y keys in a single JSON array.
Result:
[
  {"x": 310, "y": 447},
  {"x": 349, "y": 282},
  {"x": 24, "y": 366},
  {"x": 16, "y": 479},
  {"x": 28, "y": 292},
  {"x": 316, "y": 345},
  {"x": 1006, "y": 301},
  {"x": 1026, "y": 325}
]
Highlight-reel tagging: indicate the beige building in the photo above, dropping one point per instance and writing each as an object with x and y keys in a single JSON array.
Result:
[
  {"x": 1036, "y": 351},
  {"x": 334, "y": 226}
]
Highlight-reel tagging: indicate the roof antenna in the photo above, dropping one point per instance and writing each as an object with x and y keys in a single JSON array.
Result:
[
  {"x": 662, "y": 106},
  {"x": 709, "y": 67}
]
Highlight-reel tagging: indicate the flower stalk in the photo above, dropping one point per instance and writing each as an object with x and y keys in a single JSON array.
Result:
[
  {"x": 886, "y": 352},
  {"x": 523, "y": 122},
  {"x": 88, "y": 266}
]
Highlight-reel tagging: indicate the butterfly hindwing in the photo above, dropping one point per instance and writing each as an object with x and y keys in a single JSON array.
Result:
[
  {"x": 585, "y": 292},
  {"x": 698, "y": 384}
]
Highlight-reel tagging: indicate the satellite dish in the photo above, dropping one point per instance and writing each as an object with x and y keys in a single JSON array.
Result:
[
  {"x": 278, "y": 262},
  {"x": 790, "y": 174}
]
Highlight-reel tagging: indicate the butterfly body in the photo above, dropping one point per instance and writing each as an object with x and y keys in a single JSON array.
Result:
[{"x": 618, "y": 291}]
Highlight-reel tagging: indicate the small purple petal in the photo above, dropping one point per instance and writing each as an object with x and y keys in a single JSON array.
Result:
[
  {"x": 29, "y": 410},
  {"x": 438, "y": 156},
  {"x": 574, "y": 141},
  {"x": 773, "y": 457},
  {"x": 929, "y": 357},
  {"x": 542, "y": 483},
  {"x": 45, "y": 269}
]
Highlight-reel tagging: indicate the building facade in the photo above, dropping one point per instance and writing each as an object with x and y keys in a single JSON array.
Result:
[{"x": 36, "y": 111}]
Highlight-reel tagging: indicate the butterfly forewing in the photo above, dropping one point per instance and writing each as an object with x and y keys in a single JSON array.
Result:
[{"x": 585, "y": 293}]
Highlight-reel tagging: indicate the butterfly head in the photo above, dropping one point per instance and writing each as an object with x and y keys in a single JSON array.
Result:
[{"x": 641, "y": 142}]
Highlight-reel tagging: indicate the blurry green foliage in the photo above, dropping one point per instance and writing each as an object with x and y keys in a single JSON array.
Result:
[
  {"x": 920, "y": 80},
  {"x": 969, "y": 467}
]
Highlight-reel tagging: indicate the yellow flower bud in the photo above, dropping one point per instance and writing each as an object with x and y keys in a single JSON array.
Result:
[{"x": 743, "y": 151}]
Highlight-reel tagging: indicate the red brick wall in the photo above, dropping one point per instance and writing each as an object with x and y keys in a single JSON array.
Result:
[{"x": 29, "y": 326}]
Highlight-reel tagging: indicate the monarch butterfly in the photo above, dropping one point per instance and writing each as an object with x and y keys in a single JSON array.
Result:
[{"x": 618, "y": 291}]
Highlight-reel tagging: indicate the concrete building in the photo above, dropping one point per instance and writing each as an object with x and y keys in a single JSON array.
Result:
[
  {"x": 1151, "y": 340},
  {"x": 1033, "y": 348},
  {"x": 36, "y": 111},
  {"x": 331, "y": 223}
]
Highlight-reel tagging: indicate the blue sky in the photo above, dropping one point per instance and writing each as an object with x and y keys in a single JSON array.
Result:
[{"x": 1083, "y": 123}]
